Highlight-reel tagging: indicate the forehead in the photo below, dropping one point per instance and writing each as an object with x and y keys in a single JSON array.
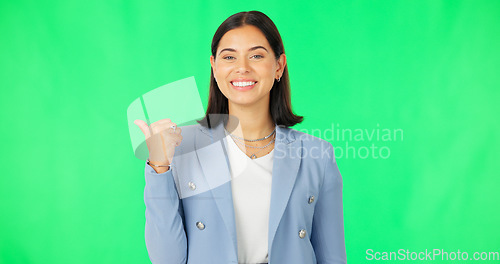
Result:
[{"x": 244, "y": 38}]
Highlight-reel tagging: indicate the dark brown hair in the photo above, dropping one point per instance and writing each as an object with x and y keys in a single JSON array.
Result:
[{"x": 280, "y": 99}]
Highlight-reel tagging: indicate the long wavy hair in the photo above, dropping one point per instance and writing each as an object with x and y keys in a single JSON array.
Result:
[{"x": 280, "y": 97}]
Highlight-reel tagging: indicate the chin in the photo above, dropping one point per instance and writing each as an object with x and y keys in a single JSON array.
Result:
[{"x": 242, "y": 102}]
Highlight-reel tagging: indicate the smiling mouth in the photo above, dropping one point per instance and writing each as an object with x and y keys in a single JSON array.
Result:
[{"x": 243, "y": 85}]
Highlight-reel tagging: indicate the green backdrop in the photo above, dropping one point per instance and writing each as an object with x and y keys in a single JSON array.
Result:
[{"x": 425, "y": 72}]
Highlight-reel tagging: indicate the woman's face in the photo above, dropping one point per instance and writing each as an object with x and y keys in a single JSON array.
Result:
[{"x": 245, "y": 66}]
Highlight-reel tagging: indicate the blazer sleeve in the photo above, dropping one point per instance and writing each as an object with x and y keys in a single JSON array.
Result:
[
  {"x": 327, "y": 236},
  {"x": 165, "y": 234}
]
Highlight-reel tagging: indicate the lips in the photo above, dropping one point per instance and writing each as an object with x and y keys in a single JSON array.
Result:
[{"x": 243, "y": 85}]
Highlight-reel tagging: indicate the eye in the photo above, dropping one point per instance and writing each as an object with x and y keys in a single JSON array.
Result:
[
  {"x": 228, "y": 57},
  {"x": 258, "y": 56}
]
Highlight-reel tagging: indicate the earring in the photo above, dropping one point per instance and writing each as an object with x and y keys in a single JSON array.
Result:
[{"x": 279, "y": 78}]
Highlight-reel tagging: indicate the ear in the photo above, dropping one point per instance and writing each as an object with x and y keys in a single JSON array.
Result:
[
  {"x": 281, "y": 65},
  {"x": 212, "y": 62}
]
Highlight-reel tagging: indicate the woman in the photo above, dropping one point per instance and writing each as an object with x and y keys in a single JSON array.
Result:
[{"x": 243, "y": 187}]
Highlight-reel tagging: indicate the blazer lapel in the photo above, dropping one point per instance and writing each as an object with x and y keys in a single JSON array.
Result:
[
  {"x": 212, "y": 156},
  {"x": 286, "y": 162}
]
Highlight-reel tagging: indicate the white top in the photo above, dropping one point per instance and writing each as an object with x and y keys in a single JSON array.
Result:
[{"x": 251, "y": 187}]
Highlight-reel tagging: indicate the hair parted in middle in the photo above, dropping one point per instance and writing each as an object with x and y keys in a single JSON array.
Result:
[{"x": 280, "y": 95}]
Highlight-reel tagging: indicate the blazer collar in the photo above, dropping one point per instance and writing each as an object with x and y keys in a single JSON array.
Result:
[
  {"x": 211, "y": 152},
  {"x": 216, "y": 133}
]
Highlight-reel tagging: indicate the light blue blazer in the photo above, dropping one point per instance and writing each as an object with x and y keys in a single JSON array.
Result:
[{"x": 189, "y": 209}]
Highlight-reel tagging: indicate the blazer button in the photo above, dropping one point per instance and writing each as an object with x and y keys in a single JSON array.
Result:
[
  {"x": 200, "y": 225},
  {"x": 311, "y": 199},
  {"x": 192, "y": 186},
  {"x": 302, "y": 233}
]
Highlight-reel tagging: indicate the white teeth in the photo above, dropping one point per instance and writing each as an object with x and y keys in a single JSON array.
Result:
[{"x": 242, "y": 84}]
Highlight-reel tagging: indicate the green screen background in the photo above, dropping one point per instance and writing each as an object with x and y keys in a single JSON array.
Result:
[{"x": 71, "y": 189}]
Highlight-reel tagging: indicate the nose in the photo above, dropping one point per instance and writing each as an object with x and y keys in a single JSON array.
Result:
[{"x": 242, "y": 66}]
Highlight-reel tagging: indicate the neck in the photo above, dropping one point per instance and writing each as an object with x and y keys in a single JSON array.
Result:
[{"x": 251, "y": 122}]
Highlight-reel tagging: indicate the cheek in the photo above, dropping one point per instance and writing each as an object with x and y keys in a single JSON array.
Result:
[
  {"x": 267, "y": 69},
  {"x": 222, "y": 69}
]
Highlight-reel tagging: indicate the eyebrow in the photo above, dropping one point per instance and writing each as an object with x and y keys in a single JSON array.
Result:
[{"x": 250, "y": 49}]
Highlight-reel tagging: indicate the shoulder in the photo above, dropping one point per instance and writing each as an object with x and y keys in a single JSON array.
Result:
[
  {"x": 309, "y": 140},
  {"x": 312, "y": 146},
  {"x": 190, "y": 129}
]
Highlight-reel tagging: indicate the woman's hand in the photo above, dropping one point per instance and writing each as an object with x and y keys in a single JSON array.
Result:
[{"x": 162, "y": 137}]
